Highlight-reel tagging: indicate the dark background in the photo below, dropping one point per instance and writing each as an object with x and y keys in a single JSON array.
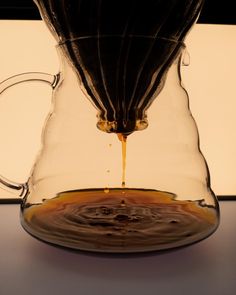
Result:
[{"x": 214, "y": 11}]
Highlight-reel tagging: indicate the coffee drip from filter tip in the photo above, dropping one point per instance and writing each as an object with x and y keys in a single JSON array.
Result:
[{"x": 121, "y": 51}]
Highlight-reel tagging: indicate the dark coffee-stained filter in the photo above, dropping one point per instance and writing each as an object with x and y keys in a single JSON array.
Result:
[{"x": 121, "y": 51}]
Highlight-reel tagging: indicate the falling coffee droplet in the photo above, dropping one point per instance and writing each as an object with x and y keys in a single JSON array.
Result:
[
  {"x": 123, "y": 139},
  {"x": 106, "y": 190}
]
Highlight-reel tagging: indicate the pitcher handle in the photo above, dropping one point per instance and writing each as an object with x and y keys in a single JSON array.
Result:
[{"x": 19, "y": 190}]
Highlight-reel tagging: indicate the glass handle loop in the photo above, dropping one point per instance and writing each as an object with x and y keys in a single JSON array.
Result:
[{"x": 21, "y": 189}]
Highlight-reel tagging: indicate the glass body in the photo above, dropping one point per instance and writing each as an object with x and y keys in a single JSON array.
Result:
[
  {"x": 76, "y": 196},
  {"x": 121, "y": 171}
]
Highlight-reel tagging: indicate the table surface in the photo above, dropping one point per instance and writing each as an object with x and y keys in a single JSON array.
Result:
[{"x": 28, "y": 266}]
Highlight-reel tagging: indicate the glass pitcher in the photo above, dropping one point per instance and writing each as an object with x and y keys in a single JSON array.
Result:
[{"x": 123, "y": 172}]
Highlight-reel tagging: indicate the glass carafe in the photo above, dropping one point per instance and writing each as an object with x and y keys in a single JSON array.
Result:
[
  {"x": 76, "y": 196},
  {"x": 121, "y": 172}
]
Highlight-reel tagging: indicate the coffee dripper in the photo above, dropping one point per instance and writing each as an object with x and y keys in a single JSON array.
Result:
[{"x": 121, "y": 171}]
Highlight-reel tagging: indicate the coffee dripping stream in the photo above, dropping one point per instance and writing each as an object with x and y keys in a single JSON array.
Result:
[{"x": 121, "y": 51}]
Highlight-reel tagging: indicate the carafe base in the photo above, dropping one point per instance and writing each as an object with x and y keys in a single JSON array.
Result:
[{"x": 119, "y": 220}]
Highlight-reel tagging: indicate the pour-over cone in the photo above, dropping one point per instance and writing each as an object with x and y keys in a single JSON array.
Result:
[{"x": 121, "y": 51}]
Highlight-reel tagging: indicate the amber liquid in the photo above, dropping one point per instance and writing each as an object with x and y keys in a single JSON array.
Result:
[
  {"x": 123, "y": 139},
  {"x": 119, "y": 219},
  {"x": 123, "y": 220}
]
